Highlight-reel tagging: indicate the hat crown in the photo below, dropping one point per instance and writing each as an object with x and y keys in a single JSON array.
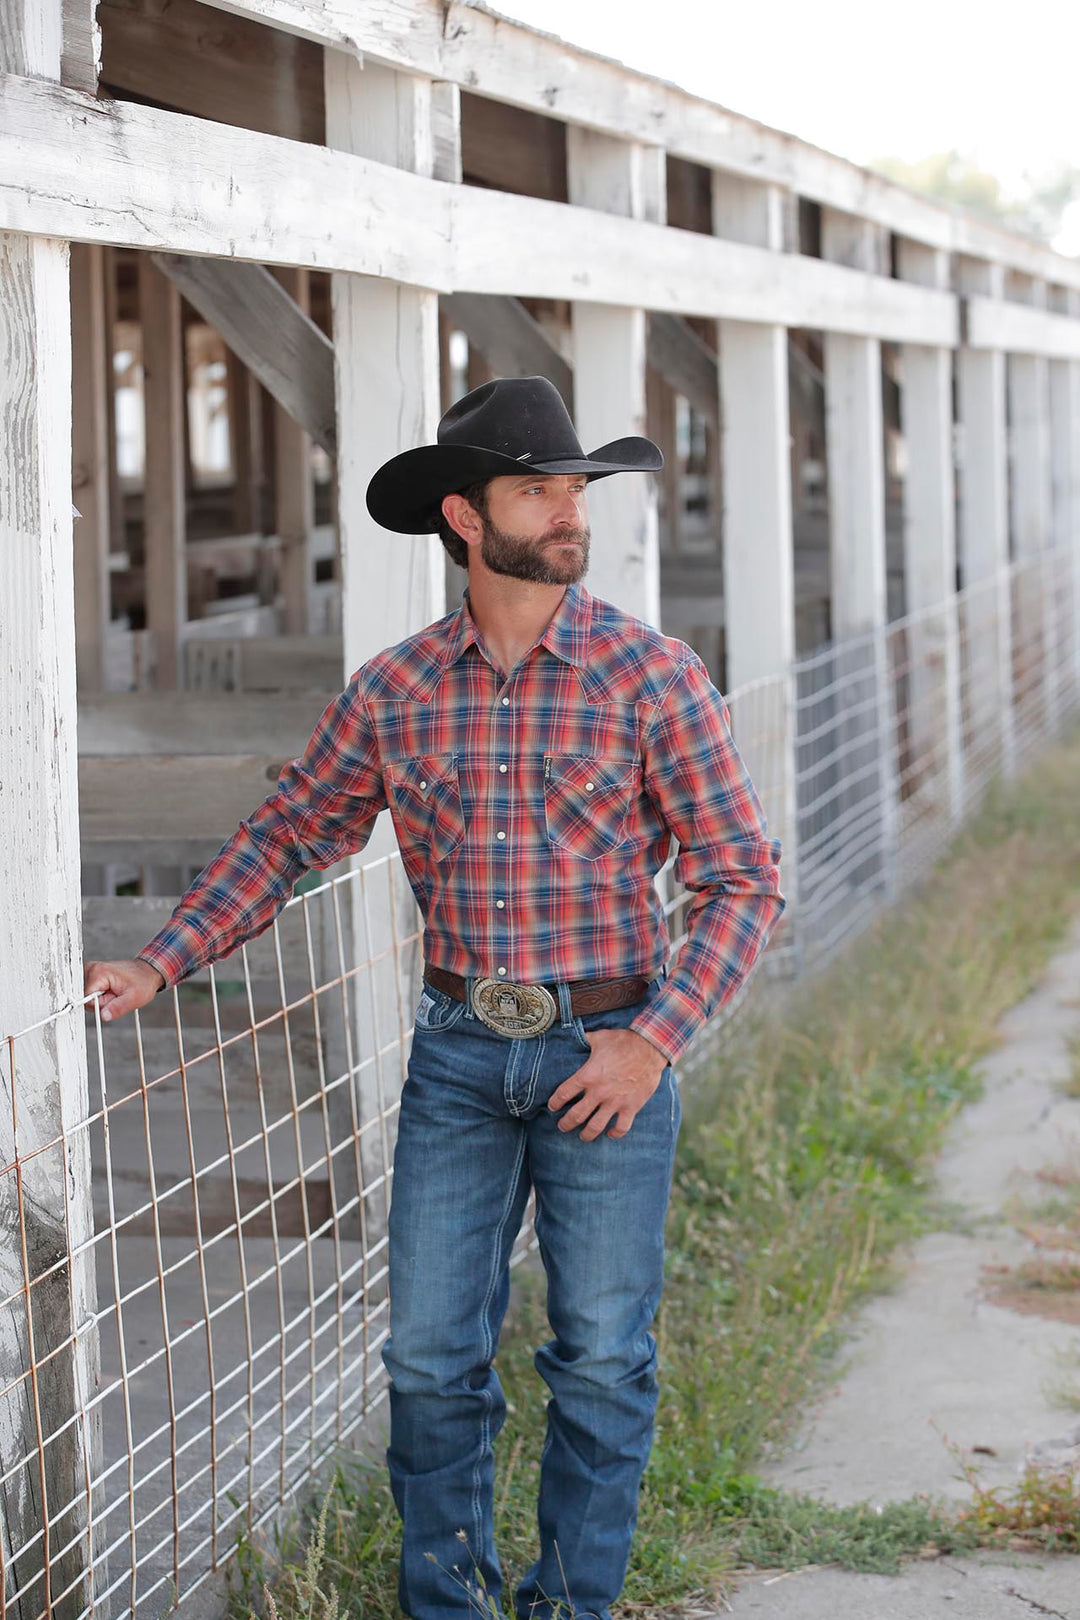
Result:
[{"x": 520, "y": 417}]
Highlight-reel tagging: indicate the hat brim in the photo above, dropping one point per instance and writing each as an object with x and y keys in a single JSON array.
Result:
[{"x": 407, "y": 492}]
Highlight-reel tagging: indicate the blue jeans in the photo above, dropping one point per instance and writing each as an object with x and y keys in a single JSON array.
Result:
[{"x": 474, "y": 1135}]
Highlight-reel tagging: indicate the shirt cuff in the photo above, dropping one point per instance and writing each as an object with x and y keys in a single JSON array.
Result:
[
  {"x": 172, "y": 967},
  {"x": 669, "y": 1022}
]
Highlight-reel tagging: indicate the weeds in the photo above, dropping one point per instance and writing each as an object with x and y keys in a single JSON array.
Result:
[{"x": 805, "y": 1158}]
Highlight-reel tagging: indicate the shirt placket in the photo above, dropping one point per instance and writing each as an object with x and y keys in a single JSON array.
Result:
[{"x": 504, "y": 827}]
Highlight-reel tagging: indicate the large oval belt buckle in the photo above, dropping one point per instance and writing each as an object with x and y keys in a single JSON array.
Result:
[{"x": 516, "y": 1010}]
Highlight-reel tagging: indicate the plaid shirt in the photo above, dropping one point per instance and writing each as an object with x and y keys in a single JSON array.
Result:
[{"x": 532, "y": 813}]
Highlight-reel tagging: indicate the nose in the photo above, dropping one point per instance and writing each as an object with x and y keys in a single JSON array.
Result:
[{"x": 569, "y": 506}]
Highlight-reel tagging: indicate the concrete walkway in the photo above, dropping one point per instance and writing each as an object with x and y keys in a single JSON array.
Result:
[{"x": 936, "y": 1360}]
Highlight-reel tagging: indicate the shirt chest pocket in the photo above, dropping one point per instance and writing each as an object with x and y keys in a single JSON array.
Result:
[
  {"x": 425, "y": 797},
  {"x": 587, "y": 801}
]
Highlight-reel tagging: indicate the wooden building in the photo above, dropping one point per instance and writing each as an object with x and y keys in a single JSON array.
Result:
[{"x": 249, "y": 249}]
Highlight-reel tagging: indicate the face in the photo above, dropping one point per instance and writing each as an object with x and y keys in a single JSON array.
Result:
[{"x": 536, "y": 528}]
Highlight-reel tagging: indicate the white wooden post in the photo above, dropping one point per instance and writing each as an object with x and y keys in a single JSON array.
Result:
[
  {"x": 386, "y": 367},
  {"x": 386, "y": 341},
  {"x": 930, "y": 546},
  {"x": 984, "y": 518},
  {"x": 1029, "y": 411},
  {"x": 609, "y": 346},
  {"x": 759, "y": 566},
  {"x": 295, "y": 490},
  {"x": 856, "y": 478},
  {"x": 46, "y": 1211},
  {"x": 164, "y": 508},
  {"x": 90, "y": 462},
  {"x": 1065, "y": 511}
]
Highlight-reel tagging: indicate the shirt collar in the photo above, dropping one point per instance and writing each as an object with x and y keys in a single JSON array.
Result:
[{"x": 567, "y": 633}]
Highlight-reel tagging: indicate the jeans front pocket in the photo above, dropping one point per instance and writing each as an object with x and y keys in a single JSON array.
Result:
[
  {"x": 436, "y": 1009},
  {"x": 587, "y": 801}
]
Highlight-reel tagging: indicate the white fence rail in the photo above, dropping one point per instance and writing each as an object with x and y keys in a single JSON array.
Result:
[{"x": 193, "y": 1346}]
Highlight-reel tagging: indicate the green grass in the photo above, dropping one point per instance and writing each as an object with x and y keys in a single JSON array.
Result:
[{"x": 806, "y": 1157}]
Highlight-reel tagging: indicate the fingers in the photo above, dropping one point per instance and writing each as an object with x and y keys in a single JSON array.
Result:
[{"x": 121, "y": 987}]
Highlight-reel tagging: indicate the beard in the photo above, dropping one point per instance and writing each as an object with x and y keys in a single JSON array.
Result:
[{"x": 541, "y": 561}]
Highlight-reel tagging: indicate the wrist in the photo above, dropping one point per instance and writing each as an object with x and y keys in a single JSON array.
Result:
[{"x": 659, "y": 1057}]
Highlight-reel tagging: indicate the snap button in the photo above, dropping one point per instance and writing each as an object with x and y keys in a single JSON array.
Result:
[
  {"x": 589, "y": 786},
  {"x": 502, "y": 770},
  {"x": 500, "y": 835},
  {"x": 502, "y": 973},
  {"x": 423, "y": 783},
  {"x": 500, "y": 904},
  {"x": 506, "y": 703}
]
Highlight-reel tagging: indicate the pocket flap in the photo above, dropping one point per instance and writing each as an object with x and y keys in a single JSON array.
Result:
[{"x": 586, "y": 774}]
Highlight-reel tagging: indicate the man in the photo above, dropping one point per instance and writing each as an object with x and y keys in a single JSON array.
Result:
[{"x": 538, "y": 750}]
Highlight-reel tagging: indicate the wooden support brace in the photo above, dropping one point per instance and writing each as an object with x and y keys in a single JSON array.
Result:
[{"x": 265, "y": 326}]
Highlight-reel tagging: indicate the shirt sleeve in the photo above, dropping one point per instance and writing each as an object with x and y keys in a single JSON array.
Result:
[
  {"x": 324, "y": 808},
  {"x": 697, "y": 780}
]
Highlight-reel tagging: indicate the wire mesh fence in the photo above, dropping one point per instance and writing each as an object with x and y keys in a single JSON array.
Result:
[{"x": 193, "y": 1259}]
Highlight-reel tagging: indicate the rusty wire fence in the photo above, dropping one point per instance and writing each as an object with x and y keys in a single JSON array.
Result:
[{"x": 194, "y": 1265}]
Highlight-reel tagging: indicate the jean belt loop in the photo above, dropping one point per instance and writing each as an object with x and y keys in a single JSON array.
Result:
[
  {"x": 564, "y": 1004},
  {"x": 469, "y": 982}
]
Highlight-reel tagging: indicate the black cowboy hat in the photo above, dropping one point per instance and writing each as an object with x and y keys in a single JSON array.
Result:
[{"x": 510, "y": 425}]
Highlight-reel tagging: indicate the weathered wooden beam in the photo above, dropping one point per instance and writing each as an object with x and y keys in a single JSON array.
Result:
[
  {"x": 609, "y": 177},
  {"x": 686, "y": 363},
  {"x": 50, "y": 1432},
  {"x": 935, "y": 720},
  {"x": 137, "y": 723},
  {"x": 758, "y": 551},
  {"x": 118, "y": 183},
  {"x": 294, "y": 490},
  {"x": 983, "y": 533},
  {"x": 80, "y": 60},
  {"x": 1002, "y": 324},
  {"x": 511, "y": 341},
  {"x": 854, "y": 439},
  {"x": 90, "y": 461},
  {"x": 268, "y": 330},
  {"x": 494, "y": 56},
  {"x": 164, "y": 493},
  {"x": 387, "y": 376}
]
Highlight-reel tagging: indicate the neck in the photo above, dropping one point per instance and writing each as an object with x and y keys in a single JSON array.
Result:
[{"x": 510, "y": 614}]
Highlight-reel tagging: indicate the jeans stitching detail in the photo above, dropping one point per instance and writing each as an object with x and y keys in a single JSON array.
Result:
[
  {"x": 538, "y": 1058},
  {"x": 488, "y": 1345}
]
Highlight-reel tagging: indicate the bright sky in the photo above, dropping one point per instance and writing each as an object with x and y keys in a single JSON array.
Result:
[{"x": 1000, "y": 83}]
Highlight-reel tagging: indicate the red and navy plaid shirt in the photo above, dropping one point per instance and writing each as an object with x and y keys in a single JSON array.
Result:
[{"x": 532, "y": 812}]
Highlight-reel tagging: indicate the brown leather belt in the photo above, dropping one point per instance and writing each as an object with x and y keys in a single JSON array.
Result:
[{"x": 586, "y": 995}]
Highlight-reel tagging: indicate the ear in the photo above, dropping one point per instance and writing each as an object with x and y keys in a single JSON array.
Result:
[{"x": 463, "y": 519}]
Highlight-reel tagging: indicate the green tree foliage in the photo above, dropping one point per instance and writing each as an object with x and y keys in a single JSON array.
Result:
[{"x": 954, "y": 177}]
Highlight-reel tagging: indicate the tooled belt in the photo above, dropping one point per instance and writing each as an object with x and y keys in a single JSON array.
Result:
[{"x": 529, "y": 1009}]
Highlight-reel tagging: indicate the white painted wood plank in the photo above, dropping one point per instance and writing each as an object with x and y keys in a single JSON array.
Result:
[
  {"x": 930, "y": 547},
  {"x": 264, "y": 326},
  {"x": 141, "y": 177},
  {"x": 493, "y": 56},
  {"x": 294, "y": 488},
  {"x": 164, "y": 502},
  {"x": 999, "y": 324},
  {"x": 90, "y": 462},
  {"x": 609, "y": 176},
  {"x": 983, "y": 539},
  {"x": 511, "y": 341},
  {"x": 46, "y": 1212},
  {"x": 758, "y": 549},
  {"x": 136, "y": 723},
  {"x": 857, "y": 557}
]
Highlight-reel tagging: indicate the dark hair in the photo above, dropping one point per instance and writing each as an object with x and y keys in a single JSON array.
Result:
[{"x": 476, "y": 495}]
